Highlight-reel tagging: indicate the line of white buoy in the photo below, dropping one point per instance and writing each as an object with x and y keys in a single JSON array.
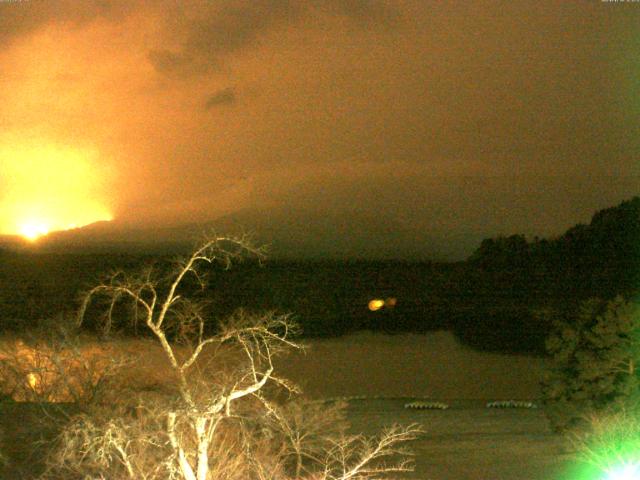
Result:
[{"x": 426, "y": 403}]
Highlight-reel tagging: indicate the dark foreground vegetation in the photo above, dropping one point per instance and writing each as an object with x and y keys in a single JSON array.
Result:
[{"x": 493, "y": 301}]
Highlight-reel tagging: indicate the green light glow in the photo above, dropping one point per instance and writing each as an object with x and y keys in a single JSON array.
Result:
[
  {"x": 609, "y": 449},
  {"x": 626, "y": 471},
  {"x": 620, "y": 460}
]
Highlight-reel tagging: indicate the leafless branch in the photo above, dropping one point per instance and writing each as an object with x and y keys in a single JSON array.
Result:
[{"x": 212, "y": 430}]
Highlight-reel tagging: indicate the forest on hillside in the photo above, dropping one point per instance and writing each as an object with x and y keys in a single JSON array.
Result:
[{"x": 491, "y": 301}]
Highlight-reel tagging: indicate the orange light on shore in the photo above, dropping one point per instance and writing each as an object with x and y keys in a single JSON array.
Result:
[
  {"x": 376, "y": 304},
  {"x": 47, "y": 189}
]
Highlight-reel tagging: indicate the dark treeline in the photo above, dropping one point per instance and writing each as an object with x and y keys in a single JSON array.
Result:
[
  {"x": 491, "y": 301},
  {"x": 599, "y": 260}
]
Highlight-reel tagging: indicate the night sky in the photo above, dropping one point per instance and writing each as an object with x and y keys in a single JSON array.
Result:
[{"x": 352, "y": 125}]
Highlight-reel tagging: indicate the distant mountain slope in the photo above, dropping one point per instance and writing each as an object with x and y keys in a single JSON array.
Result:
[
  {"x": 295, "y": 233},
  {"x": 290, "y": 233},
  {"x": 612, "y": 238}
]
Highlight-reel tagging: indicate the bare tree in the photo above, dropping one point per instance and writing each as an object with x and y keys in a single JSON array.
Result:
[
  {"x": 222, "y": 424},
  {"x": 357, "y": 457}
]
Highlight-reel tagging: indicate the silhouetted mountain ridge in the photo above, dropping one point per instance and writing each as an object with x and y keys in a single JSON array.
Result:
[{"x": 288, "y": 233}]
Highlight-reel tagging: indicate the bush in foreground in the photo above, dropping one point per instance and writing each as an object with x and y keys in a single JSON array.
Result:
[{"x": 593, "y": 365}]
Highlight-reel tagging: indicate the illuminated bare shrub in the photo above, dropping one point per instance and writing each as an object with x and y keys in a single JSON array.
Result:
[
  {"x": 229, "y": 415},
  {"x": 57, "y": 367}
]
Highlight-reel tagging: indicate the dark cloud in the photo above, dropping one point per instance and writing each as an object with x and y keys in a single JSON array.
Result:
[
  {"x": 226, "y": 30},
  {"x": 24, "y": 17},
  {"x": 223, "y": 28},
  {"x": 218, "y": 29},
  {"x": 223, "y": 97},
  {"x": 167, "y": 61},
  {"x": 362, "y": 12}
]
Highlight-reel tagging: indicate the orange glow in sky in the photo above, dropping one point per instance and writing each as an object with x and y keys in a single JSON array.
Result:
[{"x": 49, "y": 188}]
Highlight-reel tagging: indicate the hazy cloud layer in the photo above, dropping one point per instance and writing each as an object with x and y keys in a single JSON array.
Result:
[{"x": 438, "y": 120}]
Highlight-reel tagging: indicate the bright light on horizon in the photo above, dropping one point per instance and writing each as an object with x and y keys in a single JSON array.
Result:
[
  {"x": 33, "y": 231},
  {"x": 49, "y": 188}
]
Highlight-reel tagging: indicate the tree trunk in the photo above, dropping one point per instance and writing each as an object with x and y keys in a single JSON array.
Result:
[{"x": 203, "y": 448}]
